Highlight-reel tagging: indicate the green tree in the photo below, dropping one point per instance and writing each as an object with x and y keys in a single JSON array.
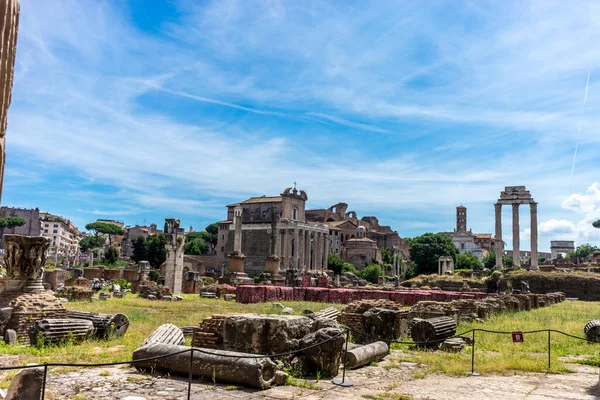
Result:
[
  {"x": 468, "y": 261},
  {"x": 213, "y": 234},
  {"x": 11, "y": 222},
  {"x": 596, "y": 224},
  {"x": 425, "y": 251},
  {"x": 140, "y": 249},
  {"x": 371, "y": 273},
  {"x": 489, "y": 260},
  {"x": 91, "y": 242},
  {"x": 111, "y": 256},
  {"x": 157, "y": 254},
  {"x": 581, "y": 252},
  {"x": 507, "y": 262},
  {"x": 195, "y": 246},
  {"x": 335, "y": 263},
  {"x": 106, "y": 229}
]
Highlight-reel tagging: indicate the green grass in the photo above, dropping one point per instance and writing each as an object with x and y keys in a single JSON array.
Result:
[{"x": 496, "y": 353}]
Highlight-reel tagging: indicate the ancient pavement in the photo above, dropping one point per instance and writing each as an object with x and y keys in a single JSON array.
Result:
[{"x": 371, "y": 382}]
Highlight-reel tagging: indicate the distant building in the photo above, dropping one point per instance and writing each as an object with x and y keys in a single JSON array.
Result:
[
  {"x": 467, "y": 242},
  {"x": 131, "y": 233},
  {"x": 113, "y": 222},
  {"x": 32, "y": 225},
  {"x": 62, "y": 232}
]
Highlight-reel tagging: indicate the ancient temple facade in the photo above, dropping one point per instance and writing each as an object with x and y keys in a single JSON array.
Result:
[{"x": 299, "y": 244}]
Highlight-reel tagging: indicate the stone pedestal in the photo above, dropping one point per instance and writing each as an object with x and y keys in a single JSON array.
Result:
[
  {"x": 272, "y": 264},
  {"x": 236, "y": 270}
]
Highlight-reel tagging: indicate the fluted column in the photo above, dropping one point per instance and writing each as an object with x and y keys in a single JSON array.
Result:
[
  {"x": 499, "y": 242},
  {"x": 313, "y": 265},
  {"x": 296, "y": 254},
  {"x": 285, "y": 251},
  {"x": 306, "y": 265},
  {"x": 516, "y": 238},
  {"x": 326, "y": 250},
  {"x": 534, "y": 236}
]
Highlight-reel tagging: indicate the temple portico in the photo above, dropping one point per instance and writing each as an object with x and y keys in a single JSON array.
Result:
[{"x": 515, "y": 196}]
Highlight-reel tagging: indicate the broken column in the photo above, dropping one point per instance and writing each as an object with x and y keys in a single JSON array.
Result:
[
  {"x": 236, "y": 258},
  {"x": 363, "y": 355},
  {"x": 174, "y": 262},
  {"x": 273, "y": 261}
]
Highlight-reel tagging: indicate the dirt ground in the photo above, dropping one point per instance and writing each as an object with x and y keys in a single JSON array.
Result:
[{"x": 373, "y": 382}]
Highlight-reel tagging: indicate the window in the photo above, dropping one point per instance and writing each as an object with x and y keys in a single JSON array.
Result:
[
  {"x": 295, "y": 214},
  {"x": 45, "y": 230},
  {"x": 223, "y": 237},
  {"x": 56, "y": 225},
  {"x": 46, "y": 225},
  {"x": 462, "y": 246},
  {"x": 54, "y": 231}
]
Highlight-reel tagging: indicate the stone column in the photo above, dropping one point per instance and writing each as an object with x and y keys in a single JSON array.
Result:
[
  {"x": 326, "y": 250},
  {"x": 9, "y": 25},
  {"x": 174, "y": 262},
  {"x": 534, "y": 236},
  {"x": 319, "y": 247},
  {"x": 306, "y": 265},
  {"x": 285, "y": 251},
  {"x": 296, "y": 254},
  {"x": 499, "y": 242},
  {"x": 313, "y": 265},
  {"x": 516, "y": 238}
]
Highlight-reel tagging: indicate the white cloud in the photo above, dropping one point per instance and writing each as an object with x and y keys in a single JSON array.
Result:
[{"x": 587, "y": 203}]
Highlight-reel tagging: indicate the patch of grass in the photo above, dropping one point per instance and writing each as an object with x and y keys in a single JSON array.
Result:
[
  {"x": 496, "y": 353},
  {"x": 104, "y": 373}
]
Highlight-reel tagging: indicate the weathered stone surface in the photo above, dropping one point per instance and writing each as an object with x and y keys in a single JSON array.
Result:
[
  {"x": 264, "y": 334},
  {"x": 326, "y": 357},
  {"x": 165, "y": 334},
  {"x": 151, "y": 297},
  {"x": 26, "y": 385},
  {"x": 58, "y": 330},
  {"x": 5, "y": 314},
  {"x": 105, "y": 325},
  {"x": 379, "y": 323},
  {"x": 25, "y": 256},
  {"x": 287, "y": 311},
  {"x": 223, "y": 366},
  {"x": 366, "y": 354},
  {"x": 10, "y": 337},
  {"x": 28, "y": 308},
  {"x": 453, "y": 345}
]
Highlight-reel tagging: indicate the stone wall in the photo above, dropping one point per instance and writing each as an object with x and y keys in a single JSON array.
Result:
[
  {"x": 55, "y": 277},
  {"x": 584, "y": 286},
  {"x": 256, "y": 247}
]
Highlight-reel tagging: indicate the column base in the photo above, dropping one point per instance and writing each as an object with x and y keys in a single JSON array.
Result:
[{"x": 236, "y": 263}]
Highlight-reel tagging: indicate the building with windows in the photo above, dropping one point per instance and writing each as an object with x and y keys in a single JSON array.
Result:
[
  {"x": 32, "y": 225},
  {"x": 478, "y": 244},
  {"x": 64, "y": 236},
  {"x": 299, "y": 244}
]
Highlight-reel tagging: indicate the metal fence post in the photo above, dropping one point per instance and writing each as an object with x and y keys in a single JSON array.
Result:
[
  {"x": 44, "y": 381},
  {"x": 190, "y": 374},
  {"x": 548, "y": 350},
  {"x": 343, "y": 382},
  {"x": 473, "y": 373}
]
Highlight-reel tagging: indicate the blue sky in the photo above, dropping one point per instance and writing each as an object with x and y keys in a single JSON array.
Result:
[{"x": 143, "y": 110}]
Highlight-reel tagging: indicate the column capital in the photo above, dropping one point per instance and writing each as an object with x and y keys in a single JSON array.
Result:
[
  {"x": 515, "y": 206},
  {"x": 533, "y": 206},
  {"x": 498, "y": 206}
]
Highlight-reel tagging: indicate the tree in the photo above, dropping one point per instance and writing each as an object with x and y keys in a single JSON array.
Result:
[
  {"x": 140, "y": 249},
  {"x": 90, "y": 243},
  {"x": 468, "y": 261},
  {"x": 111, "y": 256},
  {"x": 11, "y": 222},
  {"x": 105, "y": 229},
  {"x": 335, "y": 263},
  {"x": 195, "y": 246},
  {"x": 596, "y": 224},
  {"x": 157, "y": 254},
  {"x": 425, "y": 251},
  {"x": 507, "y": 262},
  {"x": 371, "y": 273},
  {"x": 581, "y": 252},
  {"x": 213, "y": 234},
  {"x": 489, "y": 260}
]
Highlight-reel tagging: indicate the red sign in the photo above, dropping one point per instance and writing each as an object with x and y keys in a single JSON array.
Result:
[{"x": 517, "y": 337}]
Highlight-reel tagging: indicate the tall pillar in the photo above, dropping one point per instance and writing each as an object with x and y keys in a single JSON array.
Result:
[
  {"x": 285, "y": 249},
  {"x": 516, "y": 238},
  {"x": 499, "y": 241},
  {"x": 326, "y": 250},
  {"x": 306, "y": 250},
  {"x": 534, "y": 236},
  {"x": 174, "y": 247},
  {"x": 296, "y": 254},
  {"x": 319, "y": 265},
  {"x": 313, "y": 265}
]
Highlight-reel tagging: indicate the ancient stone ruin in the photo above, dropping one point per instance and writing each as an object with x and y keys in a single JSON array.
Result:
[{"x": 174, "y": 262}]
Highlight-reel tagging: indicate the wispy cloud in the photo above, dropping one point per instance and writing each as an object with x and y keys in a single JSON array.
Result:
[{"x": 388, "y": 107}]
